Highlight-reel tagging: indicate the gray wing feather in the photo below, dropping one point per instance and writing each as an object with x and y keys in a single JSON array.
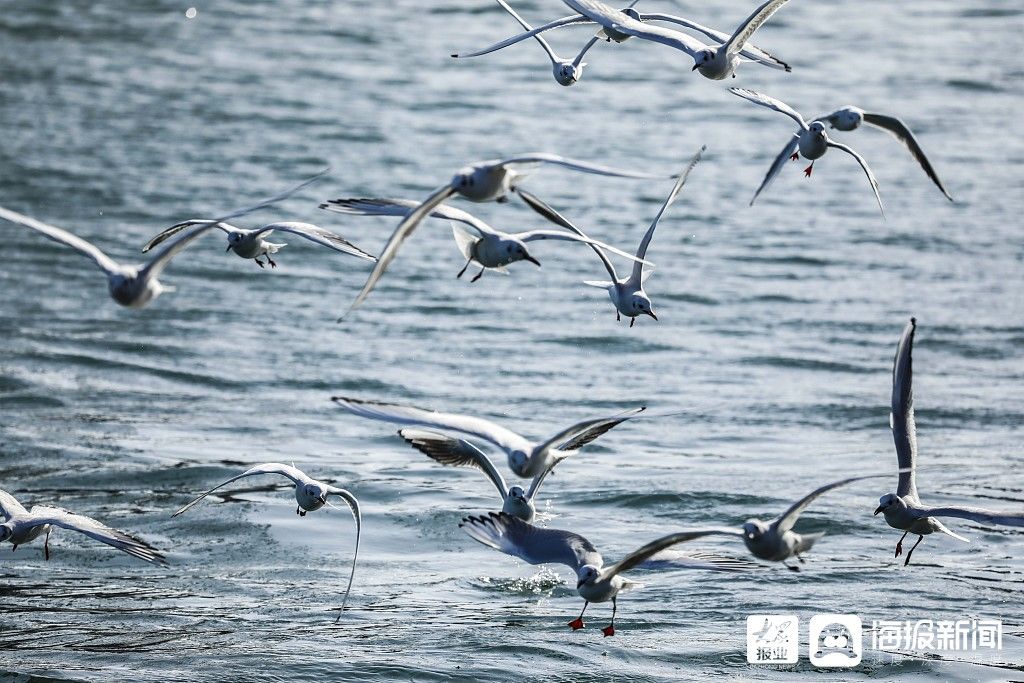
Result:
[
  {"x": 901, "y": 419},
  {"x": 535, "y": 545}
]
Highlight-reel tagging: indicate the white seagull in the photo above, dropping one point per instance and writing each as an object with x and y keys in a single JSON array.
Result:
[
  {"x": 714, "y": 62},
  {"x": 567, "y": 73},
  {"x": 310, "y": 495},
  {"x": 811, "y": 139},
  {"x": 627, "y": 294},
  {"x": 526, "y": 458},
  {"x": 253, "y": 244},
  {"x": 484, "y": 181},
  {"x": 21, "y": 526},
  {"x": 903, "y": 510},
  {"x": 487, "y": 247},
  {"x": 595, "y": 582},
  {"x": 461, "y": 453},
  {"x": 850, "y": 117},
  {"x": 136, "y": 286}
]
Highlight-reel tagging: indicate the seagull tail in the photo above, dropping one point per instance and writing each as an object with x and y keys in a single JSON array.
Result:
[
  {"x": 944, "y": 529},
  {"x": 808, "y": 540}
]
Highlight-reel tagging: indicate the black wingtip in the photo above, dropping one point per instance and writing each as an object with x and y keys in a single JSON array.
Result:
[{"x": 913, "y": 321}]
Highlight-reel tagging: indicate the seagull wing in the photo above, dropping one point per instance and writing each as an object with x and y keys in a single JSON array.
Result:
[
  {"x": 297, "y": 476},
  {"x": 319, "y": 235},
  {"x": 901, "y": 419},
  {"x": 9, "y": 506},
  {"x": 976, "y": 514},
  {"x": 353, "y": 505},
  {"x": 44, "y": 514},
  {"x": 609, "y": 17},
  {"x": 407, "y": 415},
  {"x": 750, "y": 51},
  {"x": 777, "y": 165},
  {"x": 515, "y": 537},
  {"x": 580, "y": 434},
  {"x": 405, "y": 228},
  {"x": 642, "y": 554},
  {"x": 539, "y": 38},
  {"x": 557, "y": 23},
  {"x": 538, "y": 205},
  {"x": 535, "y": 235},
  {"x": 745, "y": 30},
  {"x": 454, "y": 453},
  {"x": 867, "y": 171},
  {"x": 163, "y": 257},
  {"x": 901, "y": 132},
  {"x": 106, "y": 264},
  {"x": 361, "y": 206},
  {"x": 576, "y": 165},
  {"x": 638, "y": 267},
  {"x": 771, "y": 103},
  {"x": 175, "y": 229},
  {"x": 788, "y": 518}
]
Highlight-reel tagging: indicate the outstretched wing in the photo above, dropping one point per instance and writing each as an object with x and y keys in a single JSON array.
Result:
[
  {"x": 901, "y": 419},
  {"x": 641, "y": 252},
  {"x": 9, "y": 506},
  {"x": 656, "y": 546},
  {"x": 405, "y": 228},
  {"x": 535, "y": 235},
  {"x": 292, "y": 473},
  {"x": 580, "y": 434},
  {"x": 538, "y": 205},
  {"x": 557, "y": 23},
  {"x": 319, "y": 235},
  {"x": 901, "y": 132},
  {"x": 576, "y": 165},
  {"x": 975, "y": 514},
  {"x": 364, "y": 206},
  {"x": 106, "y": 264},
  {"x": 454, "y": 453},
  {"x": 353, "y": 505},
  {"x": 750, "y": 51},
  {"x": 771, "y": 103},
  {"x": 522, "y": 22},
  {"x": 745, "y": 30},
  {"x": 535, "y": 545},
  {"x": 864, "y": 166},
  {"x": 788, "y": 518},
  {"x": 408, "y": 415},
  {"x": 777, "y": 165},
  {"x": 44, "y": 514},
  {"x": 609, "y": 17},
  {"x": 162, "y": 258},
  {"x": 185, "y": 225}
]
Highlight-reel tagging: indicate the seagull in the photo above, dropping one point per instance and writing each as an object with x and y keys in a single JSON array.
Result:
[
  {"x": 483, "y": 181},
  {"x": 627, "y": 294},
  {"x": 21, "y": 526},
  {"x": 849, "y": 118},
  {"x": 595, "y": 583},
  {"x": 811, "y": 139},
  {"x": 461, "y": 453},
  {"x": 488, "y": 247},
  {"x": 310, "y": 495},
  {"x": 903, "y": 510},
  {"x": 714, "y": 62},
  {"x": 136, "y": 286},
  {"x": 567, "y": 73},
  {"x": 526, "y": 458},
  {"x": 252, "y": 244}
]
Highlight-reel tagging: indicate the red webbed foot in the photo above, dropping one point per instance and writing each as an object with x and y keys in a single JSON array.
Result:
[
  {"x": 899, "y": 548},
  {"x": 795, "y": 156},
  {"x": 807, "y": 171},
  {"x": 608, "y": 630},
  {"x": 576, "y": 624}
]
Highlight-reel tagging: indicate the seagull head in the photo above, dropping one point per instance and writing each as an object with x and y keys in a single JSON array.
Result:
[
  {"x": 567, "y": 73},
  {"x": 234, "y": 239},
  {"x": 517, "y": 494},
  {"x": 818, "y": 129},
  {"x": 847, "y": 118},
  {"x": 703, "y": 58},
  {"x": 642, "y": 305},
  {"x": 517, "y": 462},
  {"x": 516, "y": 251},
  {"x": 588, "y": 573},
  {"x": 315, "y": 496},
  {"x": 517, "y": 505},
  {"x": 122, "y": 290},
  {"x": 887, "y": 501},
  {"x": 754, "y": 529},
  {"x": 464, "y": 179}
]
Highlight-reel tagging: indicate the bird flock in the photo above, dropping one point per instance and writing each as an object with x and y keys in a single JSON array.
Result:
[{"x": 458, "y": 440}]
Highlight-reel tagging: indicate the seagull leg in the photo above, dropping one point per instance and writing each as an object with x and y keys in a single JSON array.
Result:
[
  {"x": 462, "y": 272},
  {"x": 632, "y": 321},
  {"x": 577, "y": 623},
  {"x": 609, "y": 630},
  {"x": 790, "y": 567},
  {"x": 46, "y": 546},
  {"x": 299, "y": 511},
  {"x": 478, "y": 275},
  {"x": 907, "y": 561},
  {"x": 899, "y": 544},
  {"x": 258, "y": 262},
  {"x": 807, "y": 171},
  {"x": 14, "y": 548},
  {"x": 617, "y": 316},
  {"x": 273, "y": 264}
]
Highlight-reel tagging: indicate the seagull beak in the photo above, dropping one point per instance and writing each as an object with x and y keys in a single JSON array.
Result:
[
  {"x": 651, "y": 313},
  {"x": 579, "y": 584},
  {"x": 695, "y": 67},
  {"x": 228, "y": 249},
  {"x": 879, "y": 509},
  {"x": 532, "y": 260}
]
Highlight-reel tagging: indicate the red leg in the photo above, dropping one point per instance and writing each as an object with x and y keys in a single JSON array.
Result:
[
  {"x": 609, "y": 630},
  {"x": 577, "y": 623},
  {"x": 807, "y": 171}
]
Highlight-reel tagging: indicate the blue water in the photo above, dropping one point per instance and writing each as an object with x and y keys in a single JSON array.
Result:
[{"x": 774, "y": 348}]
